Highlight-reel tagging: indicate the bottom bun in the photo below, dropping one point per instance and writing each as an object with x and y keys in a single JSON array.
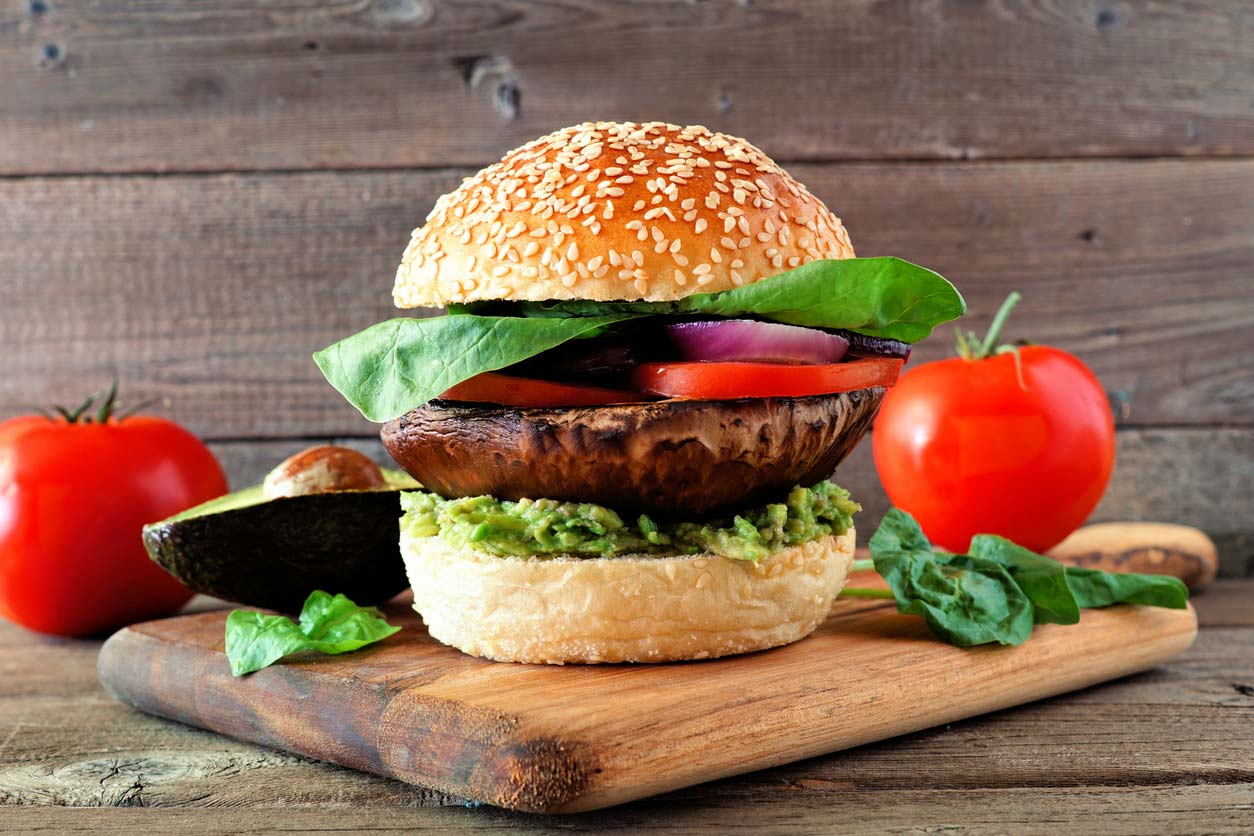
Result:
[{"x": 637, "y": 608}]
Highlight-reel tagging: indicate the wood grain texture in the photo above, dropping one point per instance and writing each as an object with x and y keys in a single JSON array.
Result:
[
  {"x": 1172, "y": 810},
  {"x": 552, "y": 739},
  {"x": 213, "y": 291},
  {"x": 1148, "y": 547},
  {"x": 1169, "y": 751},
  {"x": 161, "y": 86}
]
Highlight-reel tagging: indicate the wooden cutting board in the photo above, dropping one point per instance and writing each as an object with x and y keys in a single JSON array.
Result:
[{"x": 566, "y": 739}]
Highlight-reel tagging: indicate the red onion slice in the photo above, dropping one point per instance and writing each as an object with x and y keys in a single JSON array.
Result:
[{"x": 747, "y": 341}]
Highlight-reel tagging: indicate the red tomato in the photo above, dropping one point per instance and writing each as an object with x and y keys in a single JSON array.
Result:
[
  {"x": 967, "y": 448},
  {"x": 714, "y": 381},
  {"x": 527, "y": 392},
  {"x": 73, "y": 500}
]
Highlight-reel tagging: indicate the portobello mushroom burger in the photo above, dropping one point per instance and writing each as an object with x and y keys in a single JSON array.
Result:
[{"x": 657, "y": 348}]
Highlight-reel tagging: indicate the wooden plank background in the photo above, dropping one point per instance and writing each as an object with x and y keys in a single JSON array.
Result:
[{"x": 195, "y": 196}]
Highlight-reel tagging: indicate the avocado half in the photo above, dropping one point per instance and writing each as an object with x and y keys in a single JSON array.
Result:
[{"x": 272, "y": 553}]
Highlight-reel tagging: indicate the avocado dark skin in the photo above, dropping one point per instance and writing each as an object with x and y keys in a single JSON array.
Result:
[{"x": 273, "y": 553}]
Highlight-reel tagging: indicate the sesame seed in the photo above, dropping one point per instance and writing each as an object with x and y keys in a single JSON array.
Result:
[
  {"x": 595, "y": 262},
  {"x": 680, "y": 278},
  {"x": 728, "y": 244},
  {"x": 680, "y": 259},
  {"x": 737, "y": 279},
  {"x": 500, "y": 270},
  {"x": 656, "y": 233},
  {"x": 639, "y": 204},
  {"x": 675, "y": 245},
  {"x": 700, "y": 226},
  {"x": 688, "y": 203},
  {"x": 701, "y": 269},
  {"x": 637, "y": 257}
]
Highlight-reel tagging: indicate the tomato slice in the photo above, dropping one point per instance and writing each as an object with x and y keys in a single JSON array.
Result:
[
  {"x": 528, "y": 392},
  {"x": 718, "y": 381}
]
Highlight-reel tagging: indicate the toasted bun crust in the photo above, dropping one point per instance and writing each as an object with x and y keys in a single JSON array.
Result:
[
  {"x": 617, "y": 211},
  {"x": 623, "y": 609}
]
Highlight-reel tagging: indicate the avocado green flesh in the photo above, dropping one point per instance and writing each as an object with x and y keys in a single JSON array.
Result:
[
  {"x": 550, "y": 528},
  {"x": 397, "y": 481}
]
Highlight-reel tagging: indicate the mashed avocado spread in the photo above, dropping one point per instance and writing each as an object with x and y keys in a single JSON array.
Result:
[{"x": 547, "y": 527}]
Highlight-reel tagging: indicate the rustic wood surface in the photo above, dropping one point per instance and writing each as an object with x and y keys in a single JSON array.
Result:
[
  {"x": 1170, "y": 751},
  {"x": 89, "y": 86},
  {"x": 571, "y": 739}
]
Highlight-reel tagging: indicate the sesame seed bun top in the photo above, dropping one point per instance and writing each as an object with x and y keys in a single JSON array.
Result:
[{"x": 617, "y": 211}]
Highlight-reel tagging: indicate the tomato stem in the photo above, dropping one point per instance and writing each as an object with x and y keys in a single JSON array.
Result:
[
  {"x": 98, "y": 408},
  {"x": 971, "y": 347}
]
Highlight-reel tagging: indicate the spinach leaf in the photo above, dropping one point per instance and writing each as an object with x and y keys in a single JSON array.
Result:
[
  {"x": 882, "y": 297},
  {"x": 999, "y": 591},
  {"x": 328, "y": 624},
  {"x": 395, "y": 366},
  {"x": 1094, "y": 588},
  {"x": 1043, "y": 580},
  {"x": 965, "y": 600}
]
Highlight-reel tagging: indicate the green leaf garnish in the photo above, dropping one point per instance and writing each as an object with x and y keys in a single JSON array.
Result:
[
  {"x": 395, "y": 366},
  {"x": 999, "y": 591},
  {"x": 328, "y": 624},
  {"x": 881, "y": 297},
  {"x": 965, "y": 600}
]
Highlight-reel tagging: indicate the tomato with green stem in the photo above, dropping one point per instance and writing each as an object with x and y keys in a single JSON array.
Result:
[
  {"x": 1016, "y": 440},
  {"x": 76, "y": 489}
]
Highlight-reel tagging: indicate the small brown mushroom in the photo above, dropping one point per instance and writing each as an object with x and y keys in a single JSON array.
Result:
[{"x": 323, "y": 469}]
